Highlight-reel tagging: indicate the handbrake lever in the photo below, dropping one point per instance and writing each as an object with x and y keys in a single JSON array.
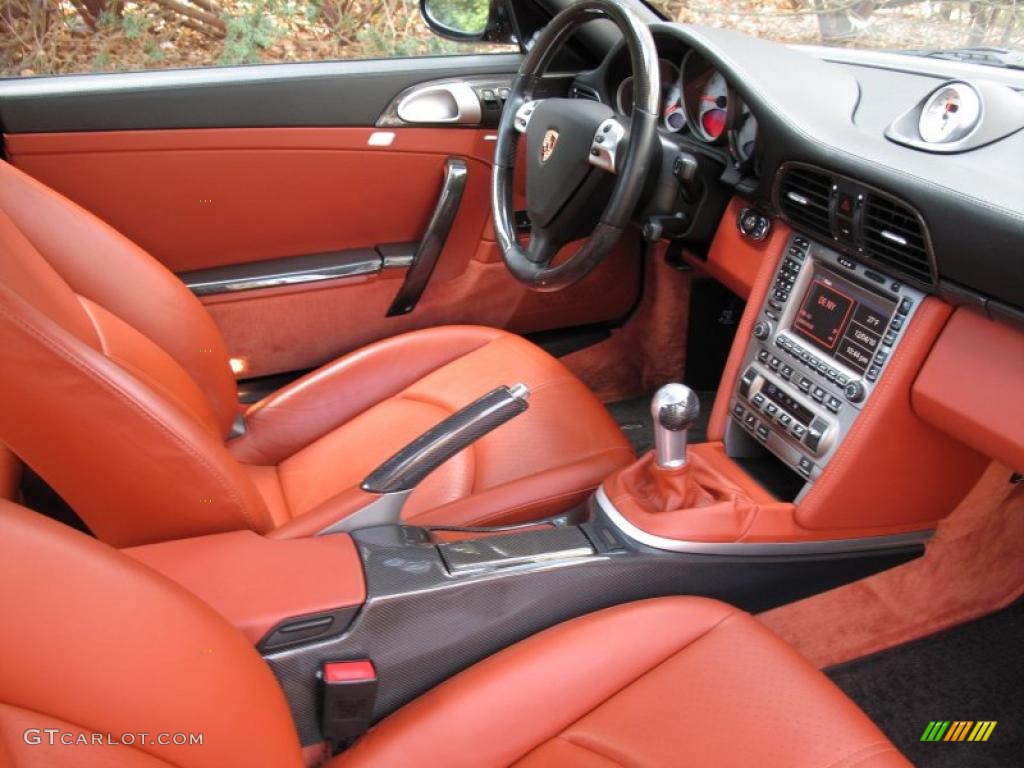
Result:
[{"x": 396, "y": 478}]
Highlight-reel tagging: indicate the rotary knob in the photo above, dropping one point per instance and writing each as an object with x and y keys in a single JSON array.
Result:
[
  {"x": 762, "y": 330},
  {"x": 855, "y": 391}
]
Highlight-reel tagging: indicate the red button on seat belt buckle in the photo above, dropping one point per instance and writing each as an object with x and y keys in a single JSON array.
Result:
[{"x": 349, "y": 692}]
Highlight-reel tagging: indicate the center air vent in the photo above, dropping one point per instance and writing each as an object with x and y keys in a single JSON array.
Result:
[
  {"x": 804, "y": 199},
  {"x": 850, "y": 215},
  {"x": 893, "y": 236}
]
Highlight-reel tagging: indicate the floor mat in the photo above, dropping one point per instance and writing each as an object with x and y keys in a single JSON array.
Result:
[
  {"x": 969, "y": 673},
  {"x": 634, "y": 419}
]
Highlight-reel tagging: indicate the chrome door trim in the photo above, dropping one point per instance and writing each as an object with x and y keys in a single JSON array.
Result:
[{"x": 273, "y": 273}]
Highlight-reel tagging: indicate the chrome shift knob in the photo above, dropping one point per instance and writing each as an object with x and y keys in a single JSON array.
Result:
[{"x": 674, "y": 409}]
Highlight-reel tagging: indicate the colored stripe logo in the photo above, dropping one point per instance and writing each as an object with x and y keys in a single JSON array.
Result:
[{"x": 958, "y": 730}]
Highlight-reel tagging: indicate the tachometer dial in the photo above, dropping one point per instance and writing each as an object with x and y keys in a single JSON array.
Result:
[
  {"x": 711, "y": 109},
  {"x": 705, "y": 98}
]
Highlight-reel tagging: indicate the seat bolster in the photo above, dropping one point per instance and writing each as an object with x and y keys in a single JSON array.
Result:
[
  {"x": 283, "y": 423},
  {"x": 123, "y": 440},
  {"x": 532, "y": 497},
  {"x": 102, "y": 644},
  {"x": 657, "y": 683},
  {"x": 101, "y": 264}
]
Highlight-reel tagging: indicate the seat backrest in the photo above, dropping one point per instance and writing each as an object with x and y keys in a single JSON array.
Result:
[
  {"x": 94, "y": 642},
  {"x": 116, "y": 383}
]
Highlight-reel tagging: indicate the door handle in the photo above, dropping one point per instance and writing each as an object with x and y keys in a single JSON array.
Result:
[
  {"x": 429, "y": 250},
  {"x": 443, "y": 103}
]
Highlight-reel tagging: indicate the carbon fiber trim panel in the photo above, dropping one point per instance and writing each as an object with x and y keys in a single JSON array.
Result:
[{"x": 422, "y": 624}]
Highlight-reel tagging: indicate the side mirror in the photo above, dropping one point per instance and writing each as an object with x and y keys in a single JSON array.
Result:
[{"x": 486, "y": 21}]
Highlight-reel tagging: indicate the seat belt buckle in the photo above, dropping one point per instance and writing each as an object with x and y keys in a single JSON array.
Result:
[{"x": 349, "y": 692}]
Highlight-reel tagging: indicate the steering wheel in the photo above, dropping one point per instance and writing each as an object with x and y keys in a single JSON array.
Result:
[{"x": 574, "y": 149}]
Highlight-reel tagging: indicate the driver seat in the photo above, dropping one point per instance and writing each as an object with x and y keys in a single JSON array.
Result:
[{"x": 119, "y": 394}]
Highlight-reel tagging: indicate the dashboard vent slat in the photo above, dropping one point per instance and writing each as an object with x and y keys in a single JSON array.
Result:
[
  {"x": 894, "y": 236},
  {"x": 804, "y": 197}
]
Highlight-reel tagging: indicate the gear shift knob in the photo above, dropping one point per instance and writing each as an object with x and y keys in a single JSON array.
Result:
[{"x": 674, "y": 409}]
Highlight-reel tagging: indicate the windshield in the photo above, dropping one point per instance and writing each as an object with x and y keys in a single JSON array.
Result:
[{"x": 925, "y": 27}]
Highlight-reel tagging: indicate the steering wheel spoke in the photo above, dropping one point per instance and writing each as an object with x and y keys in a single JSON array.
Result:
[
  {"x": 524, "y": 113},
  {"x": 605, "y": 148}
]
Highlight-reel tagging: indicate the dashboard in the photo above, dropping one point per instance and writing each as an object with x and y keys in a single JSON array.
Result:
[{"x": 901, "y": 163}]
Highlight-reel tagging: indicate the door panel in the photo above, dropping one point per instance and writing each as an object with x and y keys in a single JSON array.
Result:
[
  {"x": 200, "y": 198},
  {"x": 205, "y": 198}
]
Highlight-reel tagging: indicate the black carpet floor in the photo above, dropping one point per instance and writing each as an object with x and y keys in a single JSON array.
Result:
[
  {"x": 634, "y": 419},
  {"x": 972, "y": 672}
]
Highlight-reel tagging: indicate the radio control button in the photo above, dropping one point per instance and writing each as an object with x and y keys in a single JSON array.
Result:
[
  {"x": 750, "y": 420},
  {"x": 805, "y": 384},
  {"x": 905, "y": 305},
  {"x": 763, "y": 355},
  {"x": 842, "y": 381},
  {"x": 774, "y": 363},
  {"x": 890, "y": 338},
  {"x": 786, "y": 372},
  {"x": 784, "y": 419},
  {"x": 833, "y": 403},
  {"x": 763, "y": 432},
  {"x": 873, "y": 373},
  {"x": 798, "y": 430},
  {"x": 771, "y": 409},
  {"x": 881, "y": 356},
  {"x": 758, "y": 400},
  {"x": 818, "y": 394},
  {"x": 805, "y": 466},
  {"x": 896, "y": 324},
  {"x": 738, "y": 411},
  {"x": 855, "y": 391}
]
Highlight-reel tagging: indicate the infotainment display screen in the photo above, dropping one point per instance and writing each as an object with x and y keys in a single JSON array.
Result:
[{"x": 843, "y": 319}]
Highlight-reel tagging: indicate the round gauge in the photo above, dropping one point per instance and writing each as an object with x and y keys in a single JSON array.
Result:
[
  {"x": 950, "y": 114},
  {"x": 669, "y": 96},
  {"x": 705, "y": 96},
  {"x": 742, "y": 131}
]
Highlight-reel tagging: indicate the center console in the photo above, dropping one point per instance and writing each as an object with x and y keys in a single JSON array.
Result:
[{"x": 826, "y": 331}]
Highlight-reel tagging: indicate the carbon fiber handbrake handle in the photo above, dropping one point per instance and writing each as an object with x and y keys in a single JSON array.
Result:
[{"x": 407, "y": 468}]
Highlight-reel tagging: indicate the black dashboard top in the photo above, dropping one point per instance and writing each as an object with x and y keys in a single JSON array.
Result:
[{"x": 822, "y": 109}]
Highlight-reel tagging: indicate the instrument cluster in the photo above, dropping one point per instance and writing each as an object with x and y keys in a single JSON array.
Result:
[{"x": 696, "y": 99}]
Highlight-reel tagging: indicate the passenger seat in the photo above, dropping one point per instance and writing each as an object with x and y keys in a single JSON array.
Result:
[{"x": 93, "y": 642}]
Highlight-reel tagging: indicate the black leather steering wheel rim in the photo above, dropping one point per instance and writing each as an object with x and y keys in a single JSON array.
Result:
[{"x": 531, "y": 265}]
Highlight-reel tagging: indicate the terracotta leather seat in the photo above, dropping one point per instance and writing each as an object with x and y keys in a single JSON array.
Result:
[
  {"x": 126, "y": 402},
  {"x": 93, "y": 641}
]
